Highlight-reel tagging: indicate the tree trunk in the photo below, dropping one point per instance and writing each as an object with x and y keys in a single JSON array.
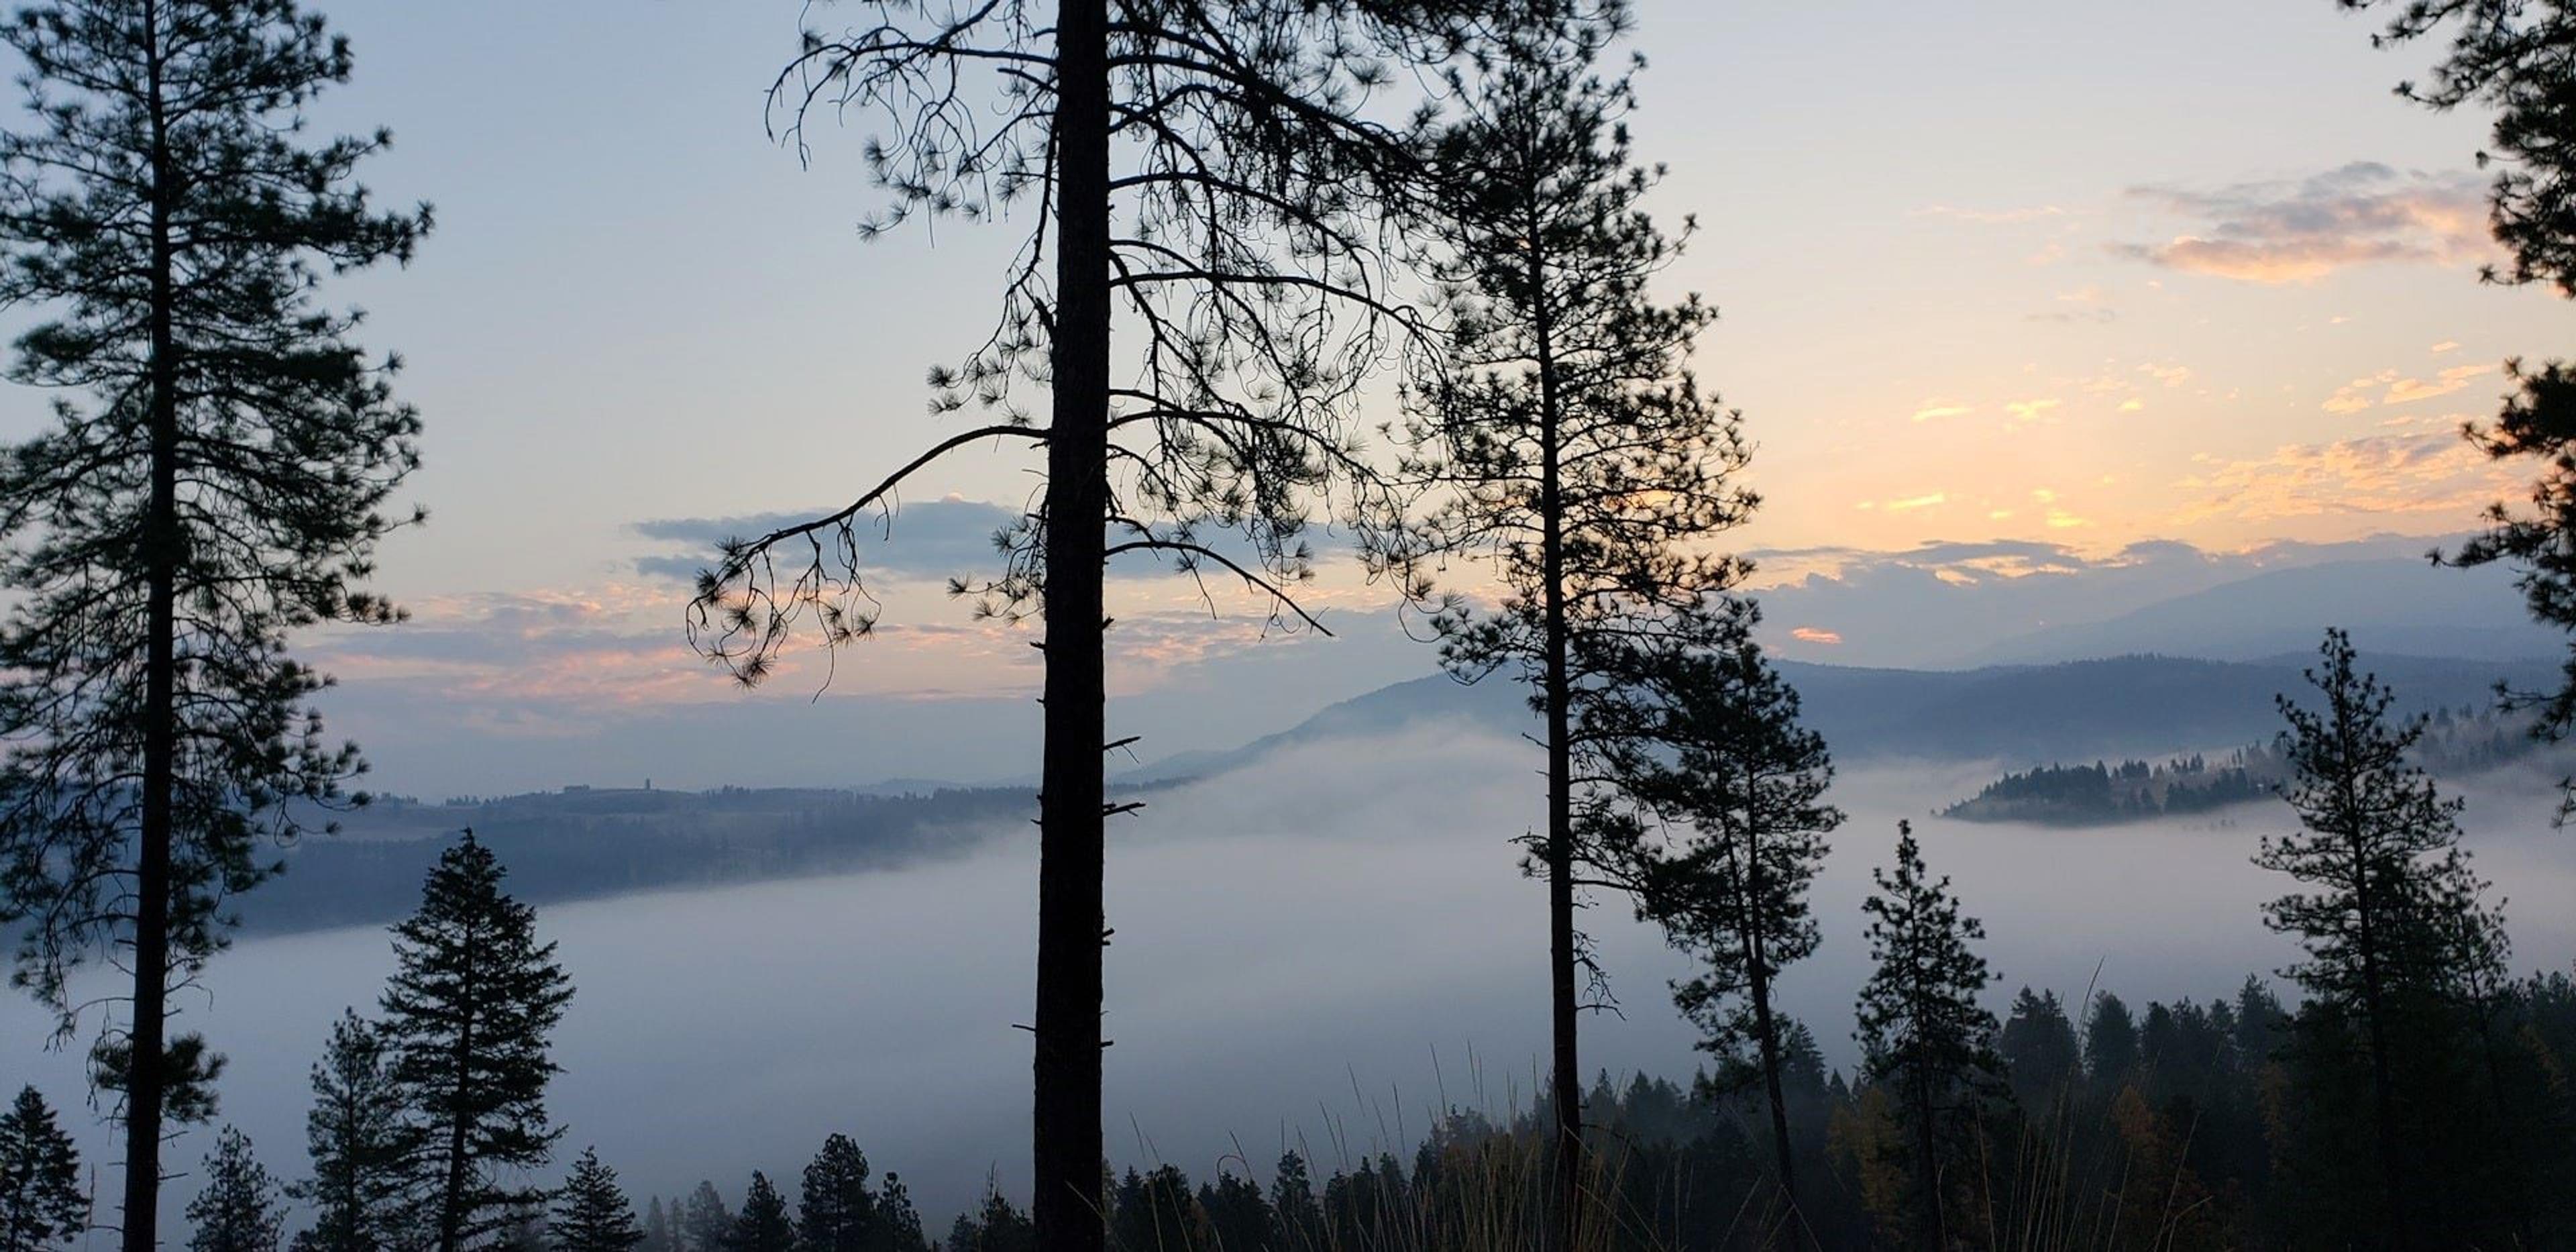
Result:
[
  {"x": 1927, "y": 1142},
  {"x": 145, "y": 1071},
  {"x": 1567, "y": 1174},
  {"x": 1067, "y": 1118},
  {"x": 1769, "y": 1033}
]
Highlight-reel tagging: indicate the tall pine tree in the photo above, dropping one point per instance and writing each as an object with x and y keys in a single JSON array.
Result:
[
  {"x": 591, "y": 1214},
  {"x": 1567, "y": 444},
  {"x": 1211, "y": 178},
  {"x": 41, "y": 1205},
  {"x": 1922, "y": 1031},
  {"x": 365, "y": 1191},
  {"x": 2387, "y": 900},
  {"x": 212, "y": 484},
  {"x": 836, "y": 1212},
  {"x": 237, "y": 1210},
  {"x": 468, "y": 1014}
]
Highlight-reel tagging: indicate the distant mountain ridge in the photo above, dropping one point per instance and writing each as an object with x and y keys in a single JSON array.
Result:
[
  {"x": 2144, "y": 705},
  {"x": 2398, "y": 607}
]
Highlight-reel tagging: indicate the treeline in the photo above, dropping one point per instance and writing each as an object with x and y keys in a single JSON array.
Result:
[
  {"x": 581, "y": 844},
  {"x": 2453, "y": 742}
]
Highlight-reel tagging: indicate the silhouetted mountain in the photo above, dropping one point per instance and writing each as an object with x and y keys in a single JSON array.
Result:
[{"x": 2390, "y": 606}]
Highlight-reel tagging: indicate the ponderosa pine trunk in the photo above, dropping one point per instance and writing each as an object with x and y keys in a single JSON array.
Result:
[
  {"x": 1769, "y": 1032},
  {"x": 1067, "y": 1112},
  {"x": 144, "y": 1076},
  {"x": 1566, "y": 1174}
]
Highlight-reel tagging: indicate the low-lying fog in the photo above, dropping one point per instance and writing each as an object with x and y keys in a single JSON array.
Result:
[{"x": 1321, "y": 950}]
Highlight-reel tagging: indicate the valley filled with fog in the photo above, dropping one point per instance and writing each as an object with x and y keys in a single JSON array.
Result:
[{"x": 1318, "y": 949}]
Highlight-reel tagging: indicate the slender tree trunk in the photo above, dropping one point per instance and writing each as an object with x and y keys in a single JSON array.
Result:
[
  {"x": 1071, "y": 934},
  {"x": 1769, "y": 1034},
  {"x": 451, "y": 1207},
  {"x": 2383, "y": 1086},
  {"x": 1927, "y": 1142},
  {"x": 1567, "y": 1174},
  {"x": 145, "y": 1071}
]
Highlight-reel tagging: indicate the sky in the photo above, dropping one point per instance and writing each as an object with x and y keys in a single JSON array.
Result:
[{"x": 2006, "y": 289}]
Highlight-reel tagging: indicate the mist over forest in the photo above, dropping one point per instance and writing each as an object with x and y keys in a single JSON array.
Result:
[{"x": 1288, "y": 626}]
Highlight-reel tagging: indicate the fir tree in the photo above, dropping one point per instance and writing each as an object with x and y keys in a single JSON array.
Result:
[
  {"x": 1921, "y": 1030},
  {"x": 212, "y": 484},
  {"x": 2039, "y": 1049},
  {"x": 237, "y": 1211},
  {"x": 1569, "y": 445},
  {"x": 1718, "y": 748},
  {"x": 467, "y": 1014},
  {"x": 2388, "y": 905},
  {"x": 364, "y": 1146},
  {"x": 898, "y": 1222},
  {"x": 657, "y": 1229},
  {"x": 1293, "y": 1207},
  {"x": 41, "y": 1205},
  {"x": 2110, "y": 1044},
  {"x": 835, "y": 1211},
  {"x": 704, "y": 1222},
  {"x": 763, "y": 1225},
  {"x": 591, "y": 1214}
]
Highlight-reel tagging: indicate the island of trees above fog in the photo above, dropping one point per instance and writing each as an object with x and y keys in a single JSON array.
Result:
[{"x": 1383, "y": 283}]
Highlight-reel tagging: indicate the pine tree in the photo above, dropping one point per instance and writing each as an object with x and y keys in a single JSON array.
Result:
[
  {"x": 705, "y": 1223},
  {"x": 237, "y": 1211},
  {"x": 2110, "y": 1045},
  {"x": 836, "y": 1212},
  {"x": 591, "y": 1214},
  {"x": 41, "y": 1205},
  {"x": 898, "y": 1222},
  {"x": 467, "y": 1015},
  {"x": 212, "y": 484},
  {"x": 1922, "y": 1031},
  {"x": 2389, "y": 905},
  {"x": 763, "y": 1225},
  {"x": 1300, "y": 1219},
  {"x": 1569, "y": 445},
  {"x": 657, "y": 1228},
  {"x": 1209, "y": 178},
  {"x": 365, "y": 1188},
  {"x": 2039, "y": 1050},
  {"x": 1712, "y": 741}
]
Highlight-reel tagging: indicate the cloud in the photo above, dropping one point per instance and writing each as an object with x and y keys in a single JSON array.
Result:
[
  {"x": 1810, "y": 634},
  {"x": 930, "y": 538},
  {"x": 2169, "y": 375},
  {"x": 2297, "y": 232},
  {"x": 1911, "y": 503},
  {"x": 1935, "y": 409},
  {"x": 2392, "y": 388},
  {"x": 2029, "y": 410},
  {"x": 2395, "y": 474},
  {"x": 2132, "y": 405},
  {"x": 2447, "y": 345}
]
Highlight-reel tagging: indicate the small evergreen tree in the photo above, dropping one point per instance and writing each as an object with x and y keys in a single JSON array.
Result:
[
  {"x": 237, "y": 1211},
  {"x": 591, "y": 1214},
  {"x": 835, "y": 1212},
  {"x": 1922, "y": 1031},
  {"x": 1300, "y": 1218},
  {"x": 2039, "y": 1050},
  {"x": 41, "y": 1206},
  {"x": 364, "y": 1146},
  {"x": 763, "y": 1225},
  {"x": 468, "y": 1014},
  {"x": 704, "y": 1221},
  {"x": 657, "y": 1228},
  {"x": 2110, "y": 1044},
  {"x": 898, "y": 1222}
]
